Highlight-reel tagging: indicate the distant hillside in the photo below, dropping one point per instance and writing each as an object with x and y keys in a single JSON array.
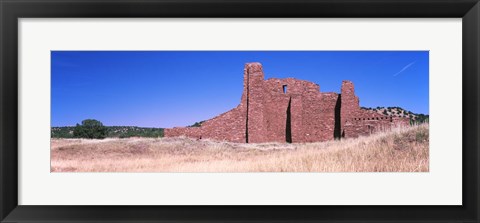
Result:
[
  {"x": 399, "y": 112},
  {"x": 113, "y": 132}
]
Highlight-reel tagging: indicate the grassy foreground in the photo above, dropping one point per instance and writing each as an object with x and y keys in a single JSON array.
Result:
[{"x": 399, "y": 150}]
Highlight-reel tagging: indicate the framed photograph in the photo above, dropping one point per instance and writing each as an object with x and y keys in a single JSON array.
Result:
[
  {"x": 279, "y": 124},
  {"x": 229, "y": 111}
]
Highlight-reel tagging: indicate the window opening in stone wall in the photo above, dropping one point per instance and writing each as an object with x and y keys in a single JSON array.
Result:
[{"x": 284, "y": 89}]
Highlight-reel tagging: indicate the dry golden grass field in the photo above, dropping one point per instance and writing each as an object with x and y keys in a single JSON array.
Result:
[{"x": 399, "y": 150}]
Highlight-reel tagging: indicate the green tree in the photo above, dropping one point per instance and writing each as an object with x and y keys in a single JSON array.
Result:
[
  {"x": 197, "y": 124},
  {"x": 90, "y": 129}
]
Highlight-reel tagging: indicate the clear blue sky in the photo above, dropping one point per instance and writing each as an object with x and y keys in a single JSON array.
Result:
[{"x": 179, "y": 88}]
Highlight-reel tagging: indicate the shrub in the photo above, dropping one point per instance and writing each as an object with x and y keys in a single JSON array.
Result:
[
  {"x": 421, "y": 135},
  {"x": 91, "y": 129},
  {"x": 197, "y": 124}
]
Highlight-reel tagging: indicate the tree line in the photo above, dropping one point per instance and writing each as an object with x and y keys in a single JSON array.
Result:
[{"x": 94, "y": 129}]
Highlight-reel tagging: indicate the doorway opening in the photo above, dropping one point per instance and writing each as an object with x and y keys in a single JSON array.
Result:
[
  {"x": 288, "y": 126},
  {"x": 337, "y": 129}
]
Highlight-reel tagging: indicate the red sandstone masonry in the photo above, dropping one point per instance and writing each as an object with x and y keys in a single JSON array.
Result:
[
  {"x": 192, "y": 132},
  {"x": 229, "y": 126},
  {"x": 290, "y": 110}
]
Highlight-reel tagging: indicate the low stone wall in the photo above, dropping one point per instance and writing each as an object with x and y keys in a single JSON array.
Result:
[
  {"x": 191, "y": 132},
  {"x": 229, "y": 126},
  {"x": 367, "y": 122}
]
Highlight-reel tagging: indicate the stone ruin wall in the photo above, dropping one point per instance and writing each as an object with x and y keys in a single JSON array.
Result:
[
  {"x": 192, "y": 132},
  {"x": 229, "y": 126},
  {"x": 360, "y": 122},
  {"x": 289, "y": 110}
]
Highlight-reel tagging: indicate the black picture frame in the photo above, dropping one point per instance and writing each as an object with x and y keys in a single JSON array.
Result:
[{"x": 12, "y": 10}]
